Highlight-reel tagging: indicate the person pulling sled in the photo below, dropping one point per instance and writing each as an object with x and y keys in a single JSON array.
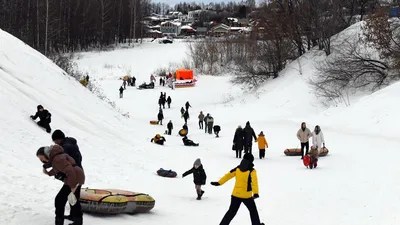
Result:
[{"x": 44, "y": 116}]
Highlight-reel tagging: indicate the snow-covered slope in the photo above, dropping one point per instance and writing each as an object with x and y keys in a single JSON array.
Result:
[{"x": 355, "y": 184}]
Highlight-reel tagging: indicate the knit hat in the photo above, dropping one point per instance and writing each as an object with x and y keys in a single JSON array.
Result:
[
  {"x": 261, "y": 133},
  {"x": 249, "y": 157},
  {"x": 57, "y": 134},
  {"x": 247, "y": 123},
  {"x": 39, "y": 107},
  {"x": 197, "y": 162}
]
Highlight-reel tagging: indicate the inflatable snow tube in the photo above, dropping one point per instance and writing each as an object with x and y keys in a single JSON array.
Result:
[
  {"x": 297, "y": 152},
  {"x": 166, "y": 173},
  {"x": 184, "y": 85},
  {"x": 114, "y": 201},
  {"x": 153, "y": 122},
  {"x": 182, "y": 132}
]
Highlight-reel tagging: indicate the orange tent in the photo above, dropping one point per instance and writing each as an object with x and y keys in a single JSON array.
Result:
[{"x": 184, "y": 74}]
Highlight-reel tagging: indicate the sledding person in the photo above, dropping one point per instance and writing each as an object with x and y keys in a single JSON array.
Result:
[
  {"x": 74, "y": 178},
  {"x": 304, "y": 134},
  {"x": 158, "y": 139},
  {"x": 188, "y": 142},
  {"x": 186, "y": 116},
  {"x": 121, "y": 92},
  {"x": 248, "y": 135},
  {"x": 245, "y": 190},
  {"x": 217, "y": 129},
  {"x": 238, "y": 141},
  {"x": 210, "y": 123},
  {"x": 201, "y": 120},
  {"x": 44, "y": 116},
  {"x": 160, "y": 117},
  {"x": 199, "y": 177},
  {"x": 170, "y": 126},
  {"x": 187, "y": 105},
  {"x": 169, "y": 100},
  {"x": 262, "y": 144}
]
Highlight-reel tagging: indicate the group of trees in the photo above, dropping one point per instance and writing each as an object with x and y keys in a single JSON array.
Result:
[
  {"x": 69, "y": 25},
  {"x": 230, "y": 7}
]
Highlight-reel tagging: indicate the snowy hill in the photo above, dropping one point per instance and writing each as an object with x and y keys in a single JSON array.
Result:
[{"x": 351, "y": 185}]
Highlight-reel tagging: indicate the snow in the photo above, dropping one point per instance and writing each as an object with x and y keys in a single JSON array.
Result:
[{"x": 355, "y": 184}]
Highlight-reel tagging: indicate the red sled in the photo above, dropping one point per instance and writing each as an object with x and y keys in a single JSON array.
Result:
[{"x": 306, "y": 160}]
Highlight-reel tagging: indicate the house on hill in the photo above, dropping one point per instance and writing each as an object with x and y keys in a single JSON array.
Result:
[{"x": 170, "y": 28}]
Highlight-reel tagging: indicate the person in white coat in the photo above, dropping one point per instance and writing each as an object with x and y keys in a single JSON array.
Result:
[{"x": 318, "y": 139}]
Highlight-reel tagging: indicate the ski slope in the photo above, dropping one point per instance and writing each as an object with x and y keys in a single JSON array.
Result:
[{"x": 355, "y": 184}]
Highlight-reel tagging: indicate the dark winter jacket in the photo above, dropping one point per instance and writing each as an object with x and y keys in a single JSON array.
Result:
[
  {"x": 217, "y": 128},
  {"x": 248, "y": 134},
  {"x": 185, "y": 127},
  {"x": 186, "y": 115},
  {"x": 71, "y": 148},
  {"x": 169, "y": 100},
  {"x": 160, "y": 116},
  {"x": 170, "y": 126},
  {"x": 199, "y": 175},
  {"x": 238, "y": 139},
  {"x": 161, "y": 101},
  {"x": 182, "y": 110},
  {"x": 187, "y": 105},
  {"x": 121, "y": 90},
  {"x": 43, "y": 115}
]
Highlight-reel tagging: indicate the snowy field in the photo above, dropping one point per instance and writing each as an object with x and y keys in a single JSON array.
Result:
[{"x": 357, "y": 183}]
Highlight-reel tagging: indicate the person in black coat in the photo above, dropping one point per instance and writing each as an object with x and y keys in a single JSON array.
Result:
[
  {"x": 169, "y": 100},
  {"x": 248, "y": 135},
  {"x": 238, "y": 142},
  {"x": 121, "y": 92},
  {"x": 44, "y": 116},
  {"x": 188, "y": 142},
  {"x": 71, "y": 148},
  {"x": 186, "y": 116},
  {"x": 160, "y": 116},
  {"x": 187, "y": 105},
  {"x": 217, "y": 129},
  {"x": 185, "y": 127},
  {"x": 133, "y": 81},
  {"x": 199, "y": 177},
  {"x": 170, "y": 126},
  {"x": 182, "y": 111}
]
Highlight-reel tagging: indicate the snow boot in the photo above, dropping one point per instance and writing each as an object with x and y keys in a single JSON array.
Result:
[{"x": 202, "y": 192}]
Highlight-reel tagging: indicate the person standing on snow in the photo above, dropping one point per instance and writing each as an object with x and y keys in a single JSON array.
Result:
[
  {"x": 210, "y": 123},
  {"x": 318, "y": 139},
  {"x": 199, "y": 177},
  {"x": 186, "y": 116},
  {"x": 170, "y": 126},
  {"x": 182, "y": 111},
  {"x": 205, "y": 123},
  {"x": 169, "y": 100},
  {"x": 160, "y": 116},
  {"x": 160, "y": 81},
  {"x": 133, "y": 80},
  {"x": 304, "y": 134},
  {"x": 44, "y": 116},
  {"x": 244, "y": 191},
  {"x": 201, "y": 120},
  {"x": 262, "y": 144},
  {"x": 73, "y": 181},
  {"x": 238, "y": 141},
  {"x": 121, "y": 92},
  {"x": 248, "y": 135},
  {"x": 187, "y": 105}
]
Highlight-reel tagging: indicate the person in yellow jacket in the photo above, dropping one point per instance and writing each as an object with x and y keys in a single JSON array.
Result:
[
  {"x": 262, "y": 144},
  {"x": 245, "y": 190}
]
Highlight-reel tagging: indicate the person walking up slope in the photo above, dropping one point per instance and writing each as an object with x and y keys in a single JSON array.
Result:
[
  {"x": 201, "y": 120},
  {"x": 248, "y": 135},
  {"x": 244, "y": 191},
  {"x": 238, "y": 141},
  {"x": 121, "y": 92},
  {"x": 199, "y": 177},
  {"x": 304, "y": 134},
  {"x": 160, "y": 116},
  {"x": 262, "y": 144}
]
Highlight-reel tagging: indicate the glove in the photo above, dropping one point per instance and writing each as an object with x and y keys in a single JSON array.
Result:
[
  {"x": 215, "y": 183},
  {"x": 31, "y": 117},
  {"x": 256, "y": 196}
]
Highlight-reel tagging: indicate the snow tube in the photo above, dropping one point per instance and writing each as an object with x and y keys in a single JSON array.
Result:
[
  {"x": 297, "y": 152},
  {"x": 166, "y": 173},
  {"x": 153, "y": 122},
  {"x": 114, "y": 201},
  {"x": 182, "y": 132}
]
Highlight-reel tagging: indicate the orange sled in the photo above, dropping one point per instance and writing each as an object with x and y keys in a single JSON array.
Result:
[{"x": 297, "y": 152}]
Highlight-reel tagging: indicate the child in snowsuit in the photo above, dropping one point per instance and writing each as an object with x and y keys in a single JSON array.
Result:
[
  {"x": 170, "y": 126},
  {"x": 160, "y": 116},
  {"x": 199, "y": 177},
  {"x": 217, "y": 129},
  {"x": 262, "y": 144},
  {"x": 44, "y": 116},
  {"x": 188, "y": 142},
  {"x": 158, "y": 139}
]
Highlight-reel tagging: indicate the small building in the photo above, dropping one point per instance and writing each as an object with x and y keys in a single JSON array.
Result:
[
  {"x": 170, "y": 28},
  {"x": 220, "y": 30},
  {"x": 187, "y": 30},
  {"x": 201, "y": 31}
]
